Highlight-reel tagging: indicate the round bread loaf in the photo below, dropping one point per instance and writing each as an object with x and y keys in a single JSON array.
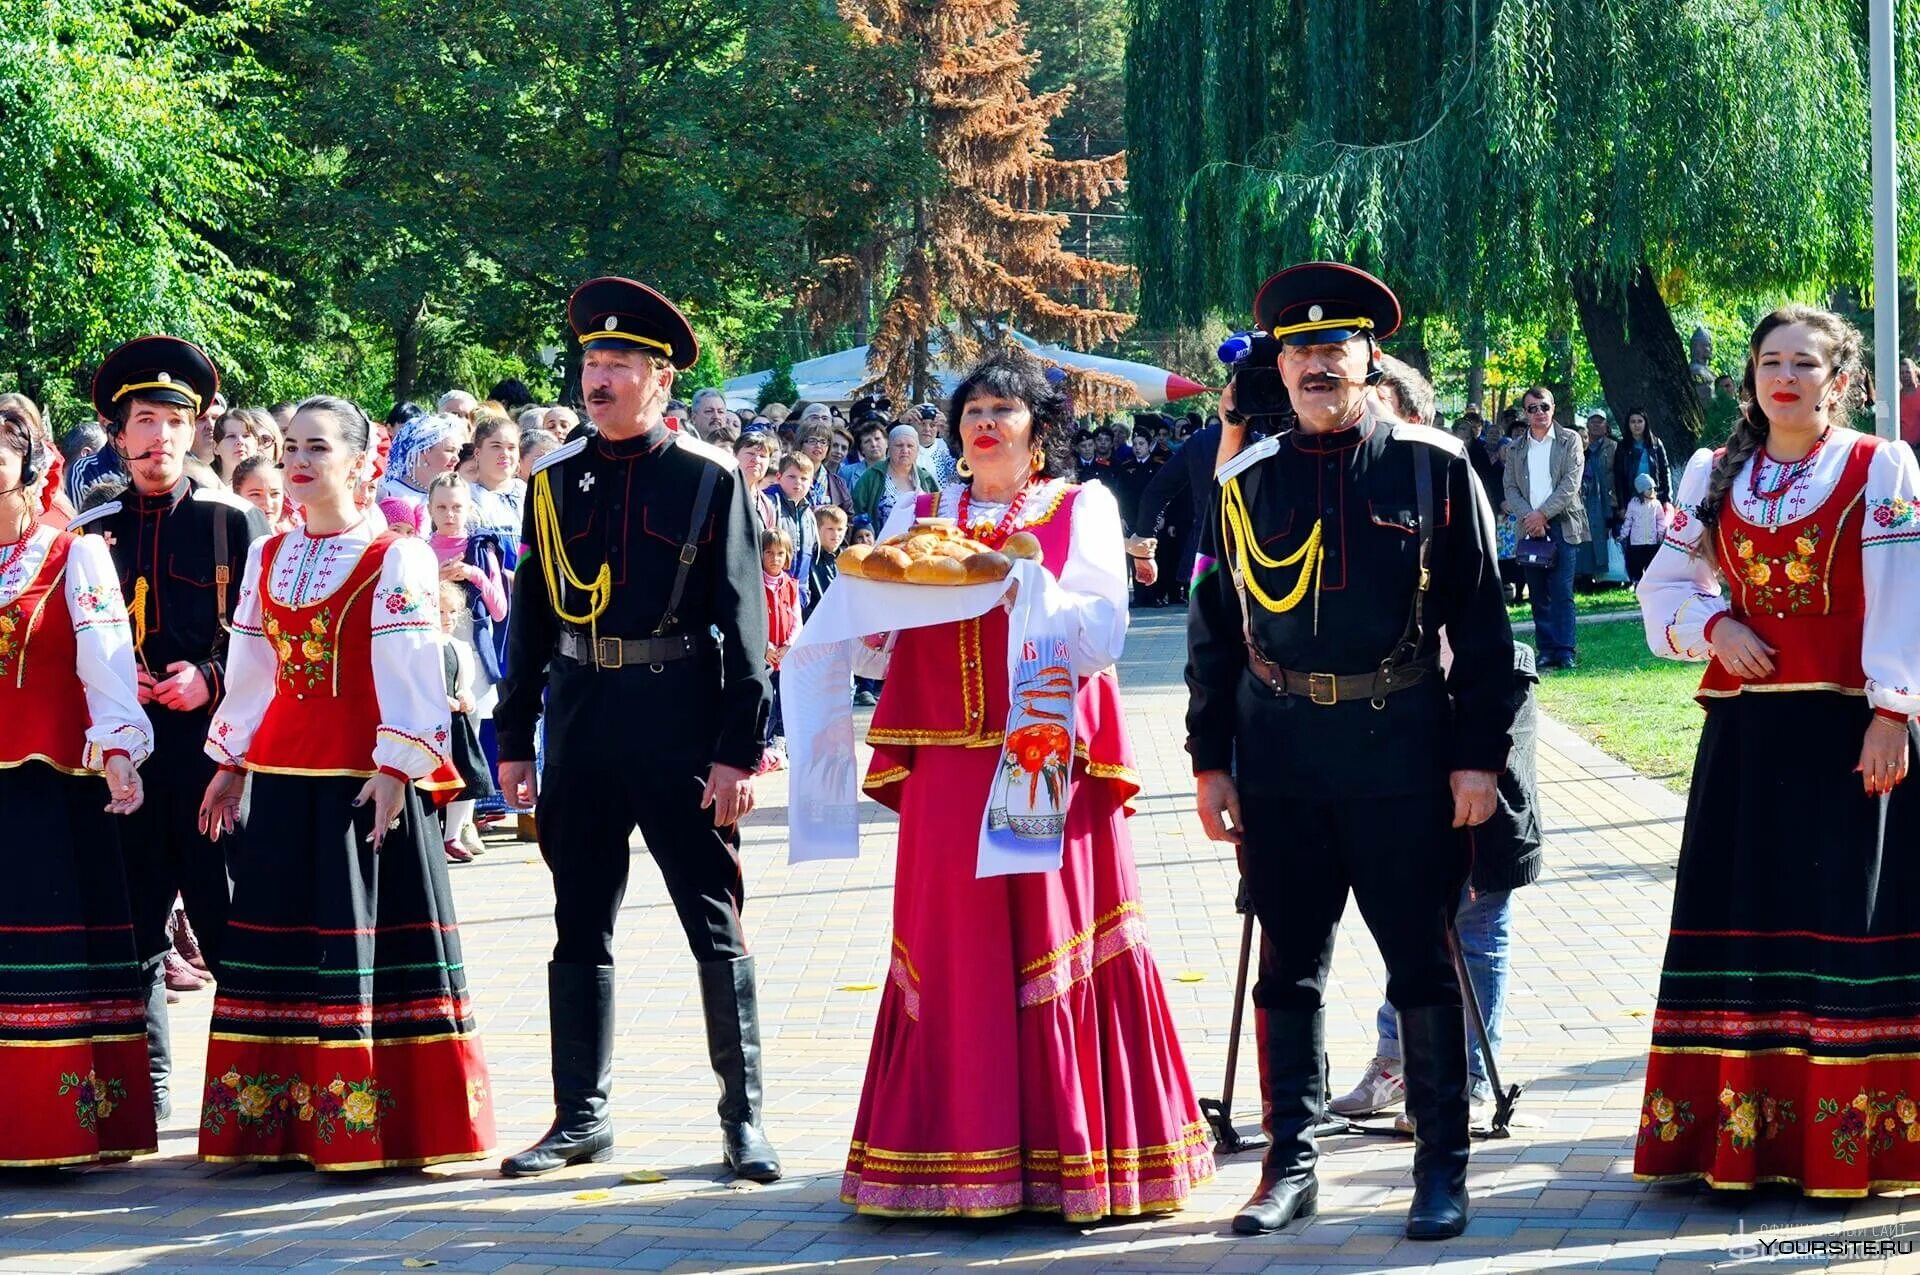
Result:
[
  {"x": 852, "y": 560},
  {"x": 1024, "y": 544},
  {"x": 985, "y": 568},
  {"x": 887, "y": 562},
  {"x": 936, "y": 570}
]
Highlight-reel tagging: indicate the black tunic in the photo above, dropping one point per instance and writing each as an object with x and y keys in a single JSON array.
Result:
[
  {"x": 1359, "y": 483},
  {"x": 628, "y": 503}
]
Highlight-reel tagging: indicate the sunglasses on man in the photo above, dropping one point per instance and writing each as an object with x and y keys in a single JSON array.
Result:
[{"x": 1536, "y": 409}]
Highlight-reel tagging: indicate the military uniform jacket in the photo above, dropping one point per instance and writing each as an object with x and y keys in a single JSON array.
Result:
[
  {"x": 628, "y": 503},
  {"x": 1359, "y": 485},
  {"x": 163, "y": 550}
]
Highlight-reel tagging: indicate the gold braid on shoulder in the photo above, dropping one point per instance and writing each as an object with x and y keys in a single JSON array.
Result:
[
  {"x": 1241, "y": 544},
  {"x": 550, "y": 542}
]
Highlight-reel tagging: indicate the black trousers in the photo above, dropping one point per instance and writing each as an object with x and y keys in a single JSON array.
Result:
[
  {"x": 1403, "y": 862},
  {"x": 164, "y": 850},
  {"x": 588, "y": 809}
]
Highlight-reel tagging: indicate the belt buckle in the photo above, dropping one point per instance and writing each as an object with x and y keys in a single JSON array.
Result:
[
  {"x": 1315, "y": 694},
  {"x": 607, "y": 652}
]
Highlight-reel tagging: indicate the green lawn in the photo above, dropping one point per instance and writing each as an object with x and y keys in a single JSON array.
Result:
[
  {"x": 1629, "y": 702},
  {"x": 1620, "y": 599}
]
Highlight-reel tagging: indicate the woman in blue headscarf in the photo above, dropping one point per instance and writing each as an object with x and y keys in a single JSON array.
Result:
[{"x": 423, "y": 449}]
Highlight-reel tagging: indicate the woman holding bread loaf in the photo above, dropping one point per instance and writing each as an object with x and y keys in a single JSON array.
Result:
[{"x": 1024, "y": 1057}]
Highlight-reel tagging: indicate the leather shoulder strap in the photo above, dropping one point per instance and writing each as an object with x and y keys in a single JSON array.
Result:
[
  {"x": 702, "y": 501},
  {"x": 222, "y": 564}
]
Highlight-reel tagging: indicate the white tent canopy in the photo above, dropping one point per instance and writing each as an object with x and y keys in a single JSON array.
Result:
[{"x": 837, "y": 377}]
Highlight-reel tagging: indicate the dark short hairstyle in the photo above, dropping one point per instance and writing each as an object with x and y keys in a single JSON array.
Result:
[
  {"x": 1015, "y": 374},
  {"x": 511, "y": 393}
]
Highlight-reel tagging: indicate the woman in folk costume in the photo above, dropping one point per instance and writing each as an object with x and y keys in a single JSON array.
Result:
[
  {"x": 342, "y": 1035},
  {"x": 73, "y": 1038},
  {"x": 424, "y": 448},
  {"x": 1025, "y": 1056},
  {"x": 1786, "y": 1044}
]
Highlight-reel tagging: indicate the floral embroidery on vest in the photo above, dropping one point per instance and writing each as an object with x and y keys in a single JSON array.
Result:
[
  {"x": 12, "y": 640},
  {"x": 304, "y": 654},
  {"x": 1786, "y": 583}
]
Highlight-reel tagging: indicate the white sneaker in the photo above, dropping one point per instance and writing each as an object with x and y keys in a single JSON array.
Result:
[
  {"x": 470, "y": 840},
  {"x": 1381, "y": 1087}
]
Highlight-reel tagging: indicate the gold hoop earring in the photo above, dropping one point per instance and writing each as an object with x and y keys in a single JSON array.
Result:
[
  {"x": 1039, "y": 461},
  {"x": 963, "y": 469}
]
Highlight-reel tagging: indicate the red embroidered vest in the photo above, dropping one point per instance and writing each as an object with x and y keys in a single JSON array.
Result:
[
  {"x": 324, "y": 714},
  {"x": 1799, "y": 586},
  {"x": 947, "y": 683},
  {"x": 43, "y": 706}
]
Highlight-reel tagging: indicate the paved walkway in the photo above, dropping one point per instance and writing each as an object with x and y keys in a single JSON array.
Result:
[{"x": 1560, "y": 1193}]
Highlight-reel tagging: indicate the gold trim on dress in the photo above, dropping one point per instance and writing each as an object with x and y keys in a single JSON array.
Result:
[
  {"x": 1763, "y": 688},
  {"x": 415, "y": 1162},
  {"x": 42, "y": 757},
  {"x": 1083, "y": 936},
  {"x": 1785, "y": 1051},
  {"x": 1771, "y": 1179},
  {"x": 33, "y": 621},
  {"x": 380, "y": 1042},
  {"x": 117, "y": 1038},
  {"x": 880, "y": 779},
  {"x": 98, "y": 1157}
]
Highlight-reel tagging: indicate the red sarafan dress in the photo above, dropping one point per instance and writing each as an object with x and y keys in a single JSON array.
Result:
[
  {"x": 73, "y": 1032},
  {"x": 342, "y": 1033},
  {"x": 1025, "y": 1055},
  {"x": 1786, "y": 1042}
]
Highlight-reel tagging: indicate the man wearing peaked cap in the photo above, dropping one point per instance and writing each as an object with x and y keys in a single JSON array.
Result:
[
  {"x": 1326, "y": 743},
  {"x": 639, "y": 628},
  {"x": 178, "y": 550}
]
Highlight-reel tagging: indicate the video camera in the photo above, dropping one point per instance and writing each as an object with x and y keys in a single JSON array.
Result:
[{"x": 1253, "y": 363}]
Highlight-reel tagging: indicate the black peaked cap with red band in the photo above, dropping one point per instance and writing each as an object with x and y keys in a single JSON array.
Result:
[
  {"x": 615, "y": 313},
  {"x": 160, "y": 369},
  {"x": 1324, "y": 301}
]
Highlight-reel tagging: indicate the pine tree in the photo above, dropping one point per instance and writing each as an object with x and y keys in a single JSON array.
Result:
[{"x": 977, "y": 253}]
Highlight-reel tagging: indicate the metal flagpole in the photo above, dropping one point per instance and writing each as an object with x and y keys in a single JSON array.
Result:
[{"x": 1886, "y": 225}]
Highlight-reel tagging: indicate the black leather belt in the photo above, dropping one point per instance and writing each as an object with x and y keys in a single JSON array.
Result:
[
  {"x": 612, "y": 652},
  {"x": 1327, "y": 689}
]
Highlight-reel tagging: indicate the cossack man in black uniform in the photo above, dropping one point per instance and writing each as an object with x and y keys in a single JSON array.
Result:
[
  {"x": 179, "y": 549},
  {"x": 638, "y": 610},
  {"x": 1342, "y": 548}
]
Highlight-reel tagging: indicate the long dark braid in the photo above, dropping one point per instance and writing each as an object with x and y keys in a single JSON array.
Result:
[{"x": 1750, "y": 433}]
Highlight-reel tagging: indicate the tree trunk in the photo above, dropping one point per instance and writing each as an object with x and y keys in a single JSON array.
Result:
[
  {"x": 406, "y": 354},
  {"x": 1477, "y": 373},
  {"x": 1640, "y": 357}
]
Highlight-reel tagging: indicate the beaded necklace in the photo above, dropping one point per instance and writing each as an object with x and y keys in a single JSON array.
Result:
[
  {"x": 996, "y": 537},
  {"x": 1789, "y": 473}
]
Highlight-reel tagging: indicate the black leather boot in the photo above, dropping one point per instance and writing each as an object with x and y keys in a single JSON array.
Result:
[
  {"x": 1433, "y": 1042},
  {"x": 1293, "y": 1090},
  {"x": 159, "y": 1038},
  {"x": 733, "y": 1043},
  {"x": 580, "y": 1007}
]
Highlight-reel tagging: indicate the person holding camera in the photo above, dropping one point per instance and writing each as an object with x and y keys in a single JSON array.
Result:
[
  {"x": 1340, "y": 550},
  {"x": 178, "y": 550}
]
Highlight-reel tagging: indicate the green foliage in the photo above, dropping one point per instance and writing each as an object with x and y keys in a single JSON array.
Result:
[
  {"x": 1481, "y": 151},
  {"x": 780, "y": 387},
  {"x": 123, "y": 167},
  {"x": 365, "y": 196}
]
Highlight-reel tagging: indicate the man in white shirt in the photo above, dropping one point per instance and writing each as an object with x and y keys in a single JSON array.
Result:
[{"x": 1543, "y": 492}]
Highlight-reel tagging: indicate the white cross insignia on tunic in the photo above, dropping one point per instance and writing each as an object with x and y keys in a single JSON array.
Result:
[{"x": 586, "y": 483}]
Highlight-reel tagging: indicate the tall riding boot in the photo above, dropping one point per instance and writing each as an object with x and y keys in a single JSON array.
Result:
[
  {"x": 733, "y": 1043},
  {"x": 580, "y": 1005},
  {"x": 159, "y": 1038},
  {"x": 1293, "y": 1090},
  {"x": 1433, "y": 1041}
]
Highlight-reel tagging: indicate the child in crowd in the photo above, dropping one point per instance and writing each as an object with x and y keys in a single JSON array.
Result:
[
  {"x": 474, "y": 563},
  {"x": 258, "y": 481},
  {"x": 794, "y": 516},
  {"x": 783, "y": 626},
  {"x": 866, "y": 690},
  {"x": 459, "y": 839},
  {"x": 1643, "y": 527},
  {"x": 831, "y": 523},
  {"x": 860, "y": 530}
]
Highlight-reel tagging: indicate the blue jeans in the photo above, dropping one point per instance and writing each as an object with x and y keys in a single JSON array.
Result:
[
  {"x": 1485, "y": 923},
  {"x": 1550, "y": 591}
]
